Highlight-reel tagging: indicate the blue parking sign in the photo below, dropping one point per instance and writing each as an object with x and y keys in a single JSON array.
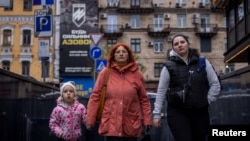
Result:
[
  {"x": 43, "y": 23},
  {"x": 43, "y": 2}
]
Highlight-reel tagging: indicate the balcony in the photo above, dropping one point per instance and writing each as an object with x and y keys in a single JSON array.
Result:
[
  {"x": 206, "y": 30},
  {"x": 112, "y": 31},
  {"x": 136, "y": 9},
  {"x": 158, "y": 30}
]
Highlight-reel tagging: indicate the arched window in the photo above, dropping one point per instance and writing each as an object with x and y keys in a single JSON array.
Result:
[
  {"x": 7, "y": 35},
  {"x": 26, "y": 35}
]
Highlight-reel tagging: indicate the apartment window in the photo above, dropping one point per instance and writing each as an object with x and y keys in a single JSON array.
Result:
[
  {"x": 112, "y": 24},
  {"x": 182, "y": 21},
  {"x": 157, "y": 69},
  {"x": 158, "y": 22},
  {"x": 7, "y": 37},
  {"x": 112, "y": 3},
  {"x": 225, "y": 43},
  {"x": 205, "y": 23},
  {"x": 27, "y": 5},
  {"x": 135, "y": 3},
  {"x": 240, "y": 11},
  {"x": 135, "y": 21},
  {"x": 204, "y": 1},
  {"x": 6, "y": 65},
  {"x": 9, "y": 7},
  {"x": 231, "y": 18},
  {"x": 248, "y": 8},
  {"x": 181, "y": 1},
  {"x": 26, "y": 68},
  {"x": 26, "y": 37},
  {"x": 136, "y": 45},
  {"x": 45, "y": 69},
  {"x": 230, "y": 67},
  {"x": 111, "y": 42},
  {"x": 225, "y": 21},
  {"x": 205, "y": 44},
  {"x": 158, "y": 45}
]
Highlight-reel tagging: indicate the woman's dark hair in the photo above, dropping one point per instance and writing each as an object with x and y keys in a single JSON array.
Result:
[
  {"x": 179, "y": 35},
  {"x": 111, "y": 57}
]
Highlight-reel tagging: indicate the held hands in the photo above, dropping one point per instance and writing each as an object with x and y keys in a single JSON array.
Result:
[
  {"x": 89, "y": 127},
  {"x": 148, "y": 127},
  {"x": 157, "y": 122}
]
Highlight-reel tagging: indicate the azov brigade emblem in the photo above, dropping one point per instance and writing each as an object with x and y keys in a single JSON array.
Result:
[{"x": 78, "y": 14}]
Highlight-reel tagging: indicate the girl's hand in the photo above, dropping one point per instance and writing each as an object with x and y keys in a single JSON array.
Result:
[
  {"x": 59, "y": 99},
  {"x": 89, "y": 127}
]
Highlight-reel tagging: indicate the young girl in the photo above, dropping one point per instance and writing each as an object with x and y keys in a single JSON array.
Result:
[{"x": 66, "y": 117}]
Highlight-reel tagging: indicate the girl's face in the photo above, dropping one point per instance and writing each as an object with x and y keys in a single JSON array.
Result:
[
  {"x": 68, "y": 95},
  {"x": 121, "y": 55},
  {"x": 180, "y": 46}
]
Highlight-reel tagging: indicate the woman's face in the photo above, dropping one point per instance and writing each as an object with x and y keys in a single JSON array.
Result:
[
  {"x": 121, "y": 55},
  {"x": 180, "y": 46}
]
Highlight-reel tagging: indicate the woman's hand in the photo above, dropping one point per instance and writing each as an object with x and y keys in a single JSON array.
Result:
[
  {"x": 157, "y": 122},
  {"x": 89, "y": 127}
]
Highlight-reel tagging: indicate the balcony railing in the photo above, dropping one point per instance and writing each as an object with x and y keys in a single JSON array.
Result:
[
  {"x": 135, "y": 8},
  {"x": 158, "y": 30},
  {"x": 206, "y": 29},
  {"x": 112, "y": 30}
]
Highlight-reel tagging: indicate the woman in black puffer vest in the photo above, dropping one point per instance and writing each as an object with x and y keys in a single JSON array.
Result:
[{"x": 189, "y": 88}]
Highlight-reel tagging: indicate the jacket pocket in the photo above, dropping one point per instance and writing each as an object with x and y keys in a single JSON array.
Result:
[
  {"x": 132, "y": 125},
  {"x": 104, "y": 125},
  {"x": 176, "y": 97}
]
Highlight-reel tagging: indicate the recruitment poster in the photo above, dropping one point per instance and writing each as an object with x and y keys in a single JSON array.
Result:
[{"x": 78, "y": 20}]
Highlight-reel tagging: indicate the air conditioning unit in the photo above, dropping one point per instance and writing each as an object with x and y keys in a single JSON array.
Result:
[
  {"x": 103, "y": 15},
  {"x": 150, "y": 44},
  {"x": 127, "y": 25},
  {"x": 178, "y": 5},
  {"x": 166, "y": 15},
  {"x": 169, "y": 39},
  {"x": 195, "y": 20},
  {"x": 156, "y": 5}
]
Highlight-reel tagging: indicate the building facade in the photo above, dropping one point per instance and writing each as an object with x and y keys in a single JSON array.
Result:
[
  {"x": 238, "y": 19},
  {"x": 19, "y": 47},
  {"x": 148, "y": 26}
]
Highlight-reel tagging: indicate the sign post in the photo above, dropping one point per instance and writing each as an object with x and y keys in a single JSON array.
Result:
[
  {"x": 43, "y": 54},
  {"x": 95, "y": 53},
  {"x": 43, "y": 30}
]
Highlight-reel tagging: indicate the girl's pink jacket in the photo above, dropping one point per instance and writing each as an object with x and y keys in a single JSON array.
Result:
[
  {"x": 65, "y": 121},
  {"x": 127, "y": 105}
]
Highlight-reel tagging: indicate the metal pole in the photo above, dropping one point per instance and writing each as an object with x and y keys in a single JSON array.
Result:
[{"x": 43, "y": 70}]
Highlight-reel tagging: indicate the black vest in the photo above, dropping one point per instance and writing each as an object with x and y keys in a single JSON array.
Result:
[{"x": 181, "y": 74}]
